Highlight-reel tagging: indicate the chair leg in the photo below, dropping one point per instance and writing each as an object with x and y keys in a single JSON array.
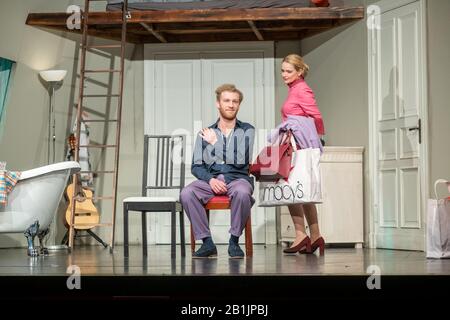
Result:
[
  {"x": 125, "y": 230},
  {"x": 173, "y": 235},
  {"x": 192, "y": 240},
  {"x": 248, "y": 237},
  {"x": 182, "y": 240},
  {"x": 144, "y": 233}
]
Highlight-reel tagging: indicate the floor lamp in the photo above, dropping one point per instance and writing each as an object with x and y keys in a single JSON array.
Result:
[{"x": 53, "y": 78}]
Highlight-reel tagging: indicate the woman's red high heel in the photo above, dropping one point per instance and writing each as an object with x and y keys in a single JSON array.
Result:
[
  {"x": 305, "y": 243},
  {"x": 318, "y": 244}
]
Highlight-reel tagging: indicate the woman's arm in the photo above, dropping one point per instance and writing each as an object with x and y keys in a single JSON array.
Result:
[{"x": 308, "y": 103}]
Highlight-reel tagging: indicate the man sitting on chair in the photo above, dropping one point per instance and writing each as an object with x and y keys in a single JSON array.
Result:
[{"x": 221, "y": 160}]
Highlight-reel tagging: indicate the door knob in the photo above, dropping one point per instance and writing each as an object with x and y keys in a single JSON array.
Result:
[{"x": 419, "y": 128}]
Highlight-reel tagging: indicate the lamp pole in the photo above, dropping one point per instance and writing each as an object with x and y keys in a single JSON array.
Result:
[
  {"x": 51, "y": 124},
  {"x": 53, "y": 119},
  {"x": 49, "y": 127}
]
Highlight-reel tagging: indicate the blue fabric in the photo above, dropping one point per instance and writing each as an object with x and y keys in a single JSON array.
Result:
[
  {"x": 5, "y": 75},
  {"x": 231, "y": 158}
]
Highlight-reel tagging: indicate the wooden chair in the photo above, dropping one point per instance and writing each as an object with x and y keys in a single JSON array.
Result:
[
  {"x": 167, "y": 148},
  {"x": 222, "y": 203}
]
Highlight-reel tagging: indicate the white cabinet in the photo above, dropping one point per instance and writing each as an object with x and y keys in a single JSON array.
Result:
[{"x": 341, "y": 212}]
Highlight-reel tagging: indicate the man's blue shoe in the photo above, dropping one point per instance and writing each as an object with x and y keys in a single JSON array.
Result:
[
  {"x": 207, "y": 250},
  {"x": 235, "y": 251}
]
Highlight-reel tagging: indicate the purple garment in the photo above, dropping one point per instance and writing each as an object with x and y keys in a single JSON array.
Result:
[
  {"x": 195, "y": 195},
  {"x": 303, "y": 129}
]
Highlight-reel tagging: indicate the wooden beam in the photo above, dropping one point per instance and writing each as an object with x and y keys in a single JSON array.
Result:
[
  {"x": 249, "y": 36},
  {"x": 208, "y": 25},
  {"x": 223, "y": 25},
  {"x": 255, "y": 30},
  {"x": 245, "y": 14},
  {"x": 155, "y": 33},
  {"x": 266, "y": 14}
]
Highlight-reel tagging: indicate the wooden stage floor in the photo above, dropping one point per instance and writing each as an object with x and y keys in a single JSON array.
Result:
[
  {"x": 270, "y": 277},
  {"x": 267, "y": 260}
]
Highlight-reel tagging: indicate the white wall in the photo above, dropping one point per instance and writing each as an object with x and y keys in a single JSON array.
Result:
[
  {"x": 338, "y": 76},
  {"x": 438, "y": 89}
]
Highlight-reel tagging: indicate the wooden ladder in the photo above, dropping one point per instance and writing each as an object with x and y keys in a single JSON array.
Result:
[{"x": 80, "y": 107}]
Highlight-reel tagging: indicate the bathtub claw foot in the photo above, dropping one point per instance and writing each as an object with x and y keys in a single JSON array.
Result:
[
  {"x": 30, "y": 234},
  {"x": 41, "y": 235},
  {"x": 33, "y": 252}
]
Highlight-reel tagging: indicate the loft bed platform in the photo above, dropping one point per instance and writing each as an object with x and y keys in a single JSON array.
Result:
[{"x": 208, "y": 25}]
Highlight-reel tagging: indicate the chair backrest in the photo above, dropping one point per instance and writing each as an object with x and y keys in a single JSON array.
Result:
[{"x": 164, "y": 159}]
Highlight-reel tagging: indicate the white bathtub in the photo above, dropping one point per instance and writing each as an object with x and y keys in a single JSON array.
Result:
[{"x": 36, "y": 197}]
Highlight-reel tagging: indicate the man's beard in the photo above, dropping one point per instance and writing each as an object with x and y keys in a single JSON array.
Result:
[{"x": 227, "y": 116}]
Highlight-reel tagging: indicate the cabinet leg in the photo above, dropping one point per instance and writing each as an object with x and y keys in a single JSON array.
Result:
[{"x": 358, "y": 245}]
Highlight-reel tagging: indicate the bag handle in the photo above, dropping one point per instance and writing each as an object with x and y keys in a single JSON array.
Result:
[
  {"x": 285, "y": 137},
  {"x": 440, "y": 181},
  {"x": 293, "y": 143},
  {"x": 289, "y": 136}
]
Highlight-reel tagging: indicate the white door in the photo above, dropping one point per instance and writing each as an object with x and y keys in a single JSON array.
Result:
[
  {"x": 398, "y": 101},
  {"x": 180, "y": 83}
]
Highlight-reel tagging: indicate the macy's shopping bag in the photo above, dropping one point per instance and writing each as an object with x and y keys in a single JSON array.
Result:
[
  {"x": 438, "y": 225},
  {"x": 302, "y": 186}
]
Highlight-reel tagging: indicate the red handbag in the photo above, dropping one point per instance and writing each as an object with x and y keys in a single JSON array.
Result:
[{"x": 274, "y": 161}]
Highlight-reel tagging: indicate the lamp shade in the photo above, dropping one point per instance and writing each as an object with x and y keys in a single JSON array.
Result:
[{"x": 53, "y": 75}]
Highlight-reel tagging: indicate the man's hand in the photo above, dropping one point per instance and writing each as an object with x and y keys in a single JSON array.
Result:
[
  {"x": 218, "y": 186},
  {"x": 209, "y": 135}
]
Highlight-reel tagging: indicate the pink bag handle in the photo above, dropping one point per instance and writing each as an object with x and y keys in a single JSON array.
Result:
[{"x": 285, "y": 137}]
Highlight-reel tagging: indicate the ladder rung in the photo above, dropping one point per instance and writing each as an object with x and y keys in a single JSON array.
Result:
[
  {"x": 98, "y": 146},
  {"x": 111, "y": 120},
  {"x": 100, "y": 95},
  {"x": 103, "y": 46},
  {"x": 101, "y": 70},
  {"x": 97, "y": 171},
  {"x": 100, "y": 198},
  {"x": 105, "y": 224}
]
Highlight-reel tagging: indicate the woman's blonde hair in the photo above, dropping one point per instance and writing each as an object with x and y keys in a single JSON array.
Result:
[{"x": 298, "y": 63}]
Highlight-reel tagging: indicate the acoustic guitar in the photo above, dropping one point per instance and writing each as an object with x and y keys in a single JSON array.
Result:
[{"x": 86, "y": 214}]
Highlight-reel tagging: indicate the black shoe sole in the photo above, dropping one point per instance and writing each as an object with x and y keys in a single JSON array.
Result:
[{"x": 213, "y": 256}]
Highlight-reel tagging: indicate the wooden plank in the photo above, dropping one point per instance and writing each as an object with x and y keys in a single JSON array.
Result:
[
  {"x": 256, "y": 31},
  {"x": 156, "y": 34},
  {"x": 262, "y": 25},
  {"x": 266, "y": 14},
  {"x": 217, "y": 37},
  {"x": 208, "y": 25},
  {"x": 245, "y": 14}
]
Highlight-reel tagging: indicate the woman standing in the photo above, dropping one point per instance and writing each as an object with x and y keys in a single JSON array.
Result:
[{"x": 301, "y": 115}]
